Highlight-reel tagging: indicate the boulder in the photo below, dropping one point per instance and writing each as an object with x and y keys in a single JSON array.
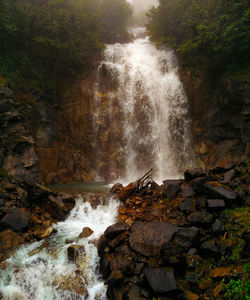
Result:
[
  {"x": 216, "y": 204},
  {"x": 116, "y": 188},
  {"x": 74, "y": 251},
  {"x": 128, "y": 191},
  {"x": 228, "y": 176},
  {"x": 148, "y": 238},
  {"x": 186, "y": 205},
  {"x": 114, "y": 277},
  {"x": 194, "y": 173},
  {"x": 200, "y": 218},
  {"x": 86, "y": 232},
  {"x": 113, "y": 230},
  {"x": 173, "y": 186},
  {"x": 215, "y": 189},
  {"x": 210, "y": 248},
  {"x": 161, "y": 280},
  {"x": 218, "y": 226},
  {"x": 187, "y": 191},
  {"x": 186, "y": 237},
  {"x": 15, "y": 219},
  {"x": 10, "y": 240}
]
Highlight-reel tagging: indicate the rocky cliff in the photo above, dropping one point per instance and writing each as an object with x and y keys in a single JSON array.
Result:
[{"x": 220, "y": 113}]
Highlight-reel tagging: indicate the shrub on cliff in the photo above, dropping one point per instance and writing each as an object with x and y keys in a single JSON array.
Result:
[{"x": 207, "y": 34}]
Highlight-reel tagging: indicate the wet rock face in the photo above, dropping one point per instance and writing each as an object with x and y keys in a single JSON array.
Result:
[
  {"x": 174, "y": 248},
  {"x": 15, "y": 219},
  {"x": 17, "y": 151}
]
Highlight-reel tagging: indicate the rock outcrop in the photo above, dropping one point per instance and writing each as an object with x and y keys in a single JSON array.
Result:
[
  {"x": 27, "y": 212},
  {"x": 187, "y": 242}
]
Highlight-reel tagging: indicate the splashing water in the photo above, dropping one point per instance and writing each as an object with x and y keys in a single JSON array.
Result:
[
  {"x": 41, "y": 270},
  {"x": 141, "y": 113}
]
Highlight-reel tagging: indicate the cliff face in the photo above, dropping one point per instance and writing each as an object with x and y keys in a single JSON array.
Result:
[
  {"x": 220, "y": 118},
  {"x": 68, "y": 156}
]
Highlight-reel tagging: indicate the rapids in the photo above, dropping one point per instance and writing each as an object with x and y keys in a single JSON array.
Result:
[{"x": 41, "y": 270}]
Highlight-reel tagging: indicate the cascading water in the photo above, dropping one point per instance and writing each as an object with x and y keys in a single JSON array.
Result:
[
  {"x": 141, "y": 113},
  {"x": 41, "y": 270}
]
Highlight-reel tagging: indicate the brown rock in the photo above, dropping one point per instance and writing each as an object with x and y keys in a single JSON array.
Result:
[
  {"x": 128, "y": 191},
  {"x": 10, "y": 240},
  {"x": 86, "y": 232},
  {"x": 15, "y": 219},
  {"x": 148, "y": 238},
  {"x": 216, "y": 189},
  {"x": 116, "y": 229},
  {"x": 74, "y": 251}
]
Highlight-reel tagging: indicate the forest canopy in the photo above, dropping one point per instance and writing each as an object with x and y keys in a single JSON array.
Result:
[
  {"x": 211, "y": 35},
  {"x": 45, "y": 39}
]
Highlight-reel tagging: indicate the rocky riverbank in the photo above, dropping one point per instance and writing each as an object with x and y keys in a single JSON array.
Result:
[
  {"x": 27, "y": 212},
  {"x": 185, "y": 239}
]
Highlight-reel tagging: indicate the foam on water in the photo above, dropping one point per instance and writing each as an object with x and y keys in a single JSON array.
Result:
[{"x": 35, "y": 275}]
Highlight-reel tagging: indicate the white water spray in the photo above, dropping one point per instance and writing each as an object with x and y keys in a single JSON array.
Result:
[
  {"x": 39, "y": 273},
  {"x": 141, "y": 101}
]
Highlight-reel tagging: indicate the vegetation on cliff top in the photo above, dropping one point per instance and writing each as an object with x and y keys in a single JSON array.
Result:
[
  {"x": 211, "y": 35},
  {"x": 43, "y": 40}
]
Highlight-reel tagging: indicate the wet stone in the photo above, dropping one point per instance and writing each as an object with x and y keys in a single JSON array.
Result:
[
  {"x": 86, "y": 232},
  {"x": 15, "y": 219},
  {"x": 194, "y": 173},
  {"x": 218, "y": 226},
  {"x": 113, "y": 230},
  {"x": 216, "y": 204},
  {"x": 187, "y": 191},
  {"x": 161, "y": 280},
  {"x": 148, "y": 238},
  {"x": 228, "y": 176},
  {"x": 215, "y": 189},
  {"x": 186, "y": 205},
  {"x": 185, "y": 237},
  {"x": 200, "y": 218},
  {"x": 173, "y": 186}
]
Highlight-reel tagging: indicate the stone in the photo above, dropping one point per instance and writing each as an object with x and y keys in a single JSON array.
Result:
[
  {"x": 173, "y": 187},
  {"x": 161, "y": 280},
  {"x": 128, "y": 191},
  {"x": 194, "y": 173},
  {"x": 15, "y": 219},
  {"x": 202, "y": 218},
  {"x": 120, "y": 262},
  {"x": 215, "y": 189},
  {"x": 187, "y": 191},
  {"x": 42, "y": 231},
  {"x": 134, "y": 293},
  {"x": 105, "y": 267},
  {"x": 114, "y": 277},
  {"x": 216, "y": 204},
  {"x": 221, "y": 272},
  {"x": 191, "y": 296},
  {"x": 186, "y": 237},
  {"x": 186, "y": 205},
  {"x": 113, "y": 230},
  {"x": 57, "y": 203},
  {"x": 218, "y": 226},
  {"x": 210, "y": 248},
  {"x": 74, "y": 251},
  {"x": 116, "y": 188},
  {"x": 228, "y": 176},
  {"x": 10, "y": 240},
  {"x": 86, "y": 232},
  {"x": 148, "y": 238},
  {"x": 1, "y": 202}
]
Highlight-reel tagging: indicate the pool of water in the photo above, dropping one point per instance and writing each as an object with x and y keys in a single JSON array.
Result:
[{"x": 81, "y": 187}]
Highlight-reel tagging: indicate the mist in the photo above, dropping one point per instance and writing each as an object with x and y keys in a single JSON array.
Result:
[{"x": 142, "y": 5}]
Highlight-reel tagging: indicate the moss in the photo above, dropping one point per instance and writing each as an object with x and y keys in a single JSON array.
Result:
[{"x": 3, "y": 81}]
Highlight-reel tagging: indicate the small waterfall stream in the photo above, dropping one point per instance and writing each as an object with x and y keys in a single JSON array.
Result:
[{"x": 141, "y": 113}]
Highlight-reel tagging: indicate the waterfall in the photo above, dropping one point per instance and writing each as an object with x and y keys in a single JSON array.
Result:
[{"x": 140, "y": 113}]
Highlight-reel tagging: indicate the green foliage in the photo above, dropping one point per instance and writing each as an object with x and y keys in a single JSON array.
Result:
[
  {"x": 207, "y": 34},
  {"x": 237, "y": 289},
  {"x": 43, "y": 40}
]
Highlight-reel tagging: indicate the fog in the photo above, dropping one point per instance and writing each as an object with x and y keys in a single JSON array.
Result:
[{"x": 142, "y": 5}]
